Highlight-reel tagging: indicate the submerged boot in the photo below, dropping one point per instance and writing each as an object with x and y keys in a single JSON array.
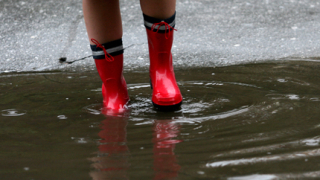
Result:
[
  {"x": 166, "y": 94},
  {"x": 109, "y": 62}
]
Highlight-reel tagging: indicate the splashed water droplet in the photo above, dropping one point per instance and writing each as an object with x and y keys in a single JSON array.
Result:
[
  {"x": 62, "y": 117},
  {"x": 94, "y": 109},
  {"x": 12, "y": 112}
]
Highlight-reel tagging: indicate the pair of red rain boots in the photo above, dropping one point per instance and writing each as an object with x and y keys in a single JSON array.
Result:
[{"x": 109, "y": 62}]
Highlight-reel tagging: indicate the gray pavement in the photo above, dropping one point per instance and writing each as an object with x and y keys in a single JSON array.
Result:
[{"x": 34, "y": 34}]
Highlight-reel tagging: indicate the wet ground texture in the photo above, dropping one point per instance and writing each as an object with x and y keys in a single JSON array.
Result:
[
  {"x": 253, "y": 121},
  {"x": 35, "y": 34}
]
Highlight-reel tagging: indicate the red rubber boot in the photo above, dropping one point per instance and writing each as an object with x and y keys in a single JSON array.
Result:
[
  {"x": 166, "y": 94},
  {"x": 114, "y": 87}
]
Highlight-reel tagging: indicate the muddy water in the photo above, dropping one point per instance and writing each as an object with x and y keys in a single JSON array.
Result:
[{"x": 255, "y": 121}]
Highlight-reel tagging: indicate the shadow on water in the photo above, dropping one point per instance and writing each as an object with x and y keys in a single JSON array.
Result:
[{"x": 254, "y": 121}]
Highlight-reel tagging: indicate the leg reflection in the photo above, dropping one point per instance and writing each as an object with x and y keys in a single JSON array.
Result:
[
  {"x": 165, "y": 162},
  {"x": 112, "y": 160}
]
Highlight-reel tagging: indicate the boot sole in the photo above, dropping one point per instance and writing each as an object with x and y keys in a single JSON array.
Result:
[{"x": 167, "y": 108}]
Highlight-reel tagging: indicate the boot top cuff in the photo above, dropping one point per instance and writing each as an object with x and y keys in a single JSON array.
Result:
[
  {"x": 150, "y": 21},
  {"x": 113, "y": 48}
]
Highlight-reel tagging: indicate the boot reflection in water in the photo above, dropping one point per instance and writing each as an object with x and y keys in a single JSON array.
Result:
[
  {"x": 112, "y": 160},
  {"x": 104, "y": 27},
  {"x": 165, "y": 162}
]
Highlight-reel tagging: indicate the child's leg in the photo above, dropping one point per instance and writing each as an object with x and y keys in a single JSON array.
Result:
[
  {"x": 159, "y": 20},
  {"x": 103, "y": 19},
  {"x": 160, "y": 9},
  {"x": 104, "y": 27}
]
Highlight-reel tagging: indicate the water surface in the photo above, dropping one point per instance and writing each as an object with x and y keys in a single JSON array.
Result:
[{"x": 254, "y": 121}]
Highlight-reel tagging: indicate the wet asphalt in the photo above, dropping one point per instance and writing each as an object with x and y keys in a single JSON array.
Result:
[{"x": 34, "y": 34}]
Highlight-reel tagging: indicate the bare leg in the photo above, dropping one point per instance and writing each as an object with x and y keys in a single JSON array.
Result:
[
  {"x": 161, "y": 9},
  {"x": 103, "y": 19}
]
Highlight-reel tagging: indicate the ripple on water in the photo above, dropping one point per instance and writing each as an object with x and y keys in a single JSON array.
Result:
[
  {"x": 13, "y": 112},
  {"x": 269, "y": 158},
  {"x": 94, "y": 109},
  {"x": 97, "y": 109},
  {"x": 141, "y": 109},
  {"x": 284, "y": 176},
  {"x": 255, "y": 177},
  {"x": 284, "y": 96},
  {"x": 62, "y": 117},
  {"x": 82, "y": 140},
  {"x": 193, "y": 109}
]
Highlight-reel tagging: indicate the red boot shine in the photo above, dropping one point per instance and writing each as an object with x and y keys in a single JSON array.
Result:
[
  {"x": 166, "y": 92},
  {"x": 114, "y": 87}
]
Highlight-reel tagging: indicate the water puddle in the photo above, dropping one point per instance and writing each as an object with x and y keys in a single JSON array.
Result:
[{"x": 254, "y": 121}]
